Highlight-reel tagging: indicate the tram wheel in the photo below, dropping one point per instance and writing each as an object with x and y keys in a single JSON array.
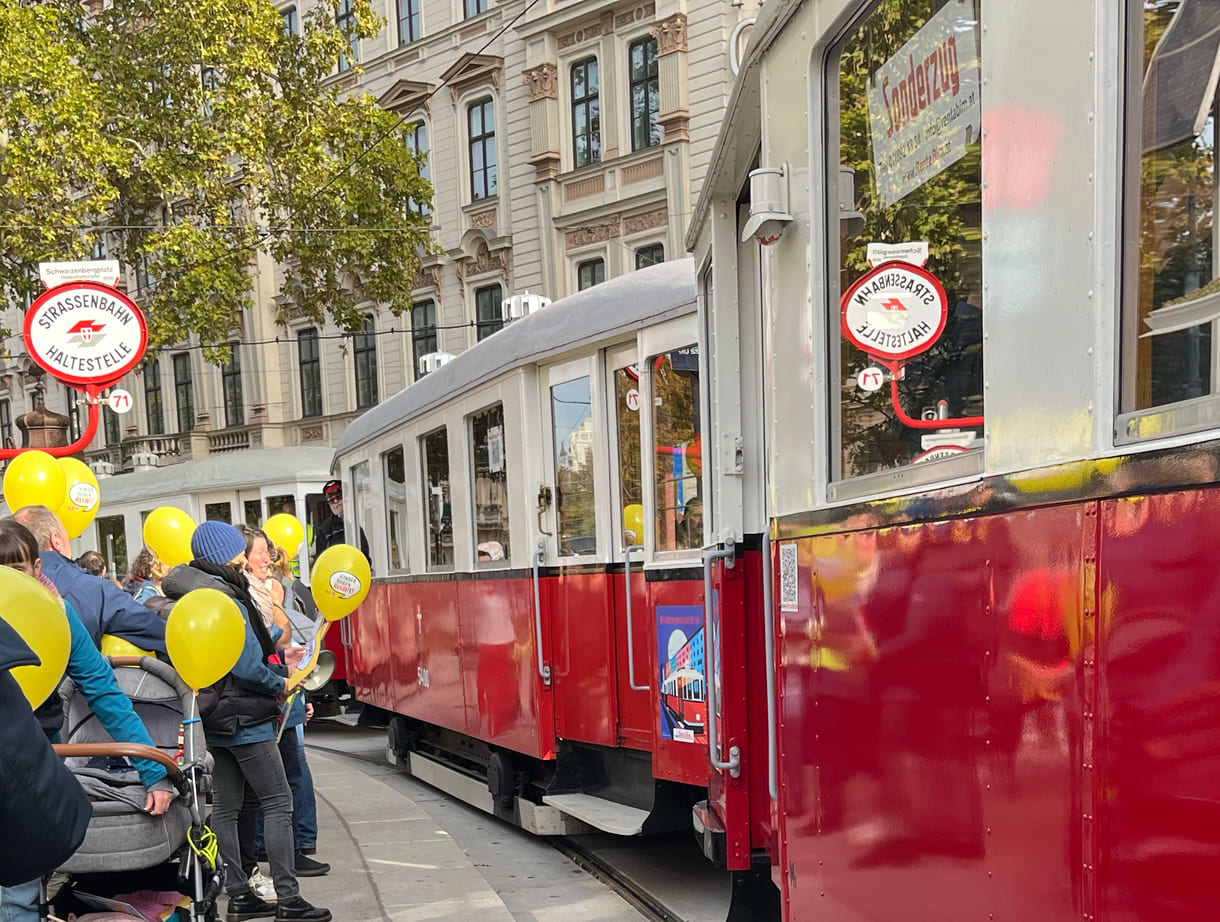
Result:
[
  {"x": 398, "y": 736},
  {"x": 501, "y": 779}
]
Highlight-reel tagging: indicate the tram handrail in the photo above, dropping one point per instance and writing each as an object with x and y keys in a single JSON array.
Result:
[
  {"x": 769, "y": 648},
  {"x": 728, "y": 554},
  {"x": 544, "y": 671},
  {"x": 630, "y": 635}
]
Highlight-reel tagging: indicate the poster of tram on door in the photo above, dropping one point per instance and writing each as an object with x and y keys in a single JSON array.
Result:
[{"x": 680, "y": 652}]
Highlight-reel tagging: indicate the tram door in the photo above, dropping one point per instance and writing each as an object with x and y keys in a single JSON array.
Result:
[
  {"x": 574, "y": 529},
  {"x": 632, "y": 614}
]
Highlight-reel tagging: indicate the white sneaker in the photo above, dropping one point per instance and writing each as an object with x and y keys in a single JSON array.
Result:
[{"x": 263, "y": 886}]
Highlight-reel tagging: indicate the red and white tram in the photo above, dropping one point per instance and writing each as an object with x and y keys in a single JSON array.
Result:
[{"x": 957, "y": 258}]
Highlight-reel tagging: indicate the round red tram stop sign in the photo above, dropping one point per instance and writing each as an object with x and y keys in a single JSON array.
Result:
[
  {"x": 895, "y": 311},
  {"x": 86, "y": 334}
]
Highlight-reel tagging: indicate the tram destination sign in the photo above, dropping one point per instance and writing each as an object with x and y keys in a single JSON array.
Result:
[
  {"x": 85, "y": 333},
  {"x": 894, "y": 311},
  {"x": 924, "y": 107}
]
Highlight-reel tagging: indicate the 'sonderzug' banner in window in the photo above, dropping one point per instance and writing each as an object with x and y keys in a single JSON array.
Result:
[{"x": 923, "y": 103}]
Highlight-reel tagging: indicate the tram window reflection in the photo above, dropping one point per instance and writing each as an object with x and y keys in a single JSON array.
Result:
[
  {"x": 572, "y": 423},
  {"x": 1171, "y": 324},
  {"x": 364, "y": 508},
  {"x": 677, "y": 447},
  {"x": 395, "y": 485},
  {"x": 908, "y": 172},
  {"x": 437, "y": 508},
  {"x": 490, "y": 484},
  {"x": 630, "y": 480}
]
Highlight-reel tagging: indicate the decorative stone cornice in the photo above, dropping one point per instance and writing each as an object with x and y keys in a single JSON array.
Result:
[
  {"x": 607, "y": 228},
  {"x": 472, "y": 70},
  {"x": 406, "y": 96},
  {"x": 634, "y": 224},
  {"x": 543, "y": 81},
  {"x": 670, "y": 34},
  {"x": 546, "y": 165},
  {"x": 639, "y": 14},
  {"x": 428, "y": 277},
  {"x": 483, "y": 262},
  {"x": 676, "y": 125},
  {"x": 484, "y": 219}
]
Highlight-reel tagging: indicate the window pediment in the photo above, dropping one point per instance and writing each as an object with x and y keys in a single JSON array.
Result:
[
  {"x": 406, "y": 96},
  {"x": 472, "y": 70}
]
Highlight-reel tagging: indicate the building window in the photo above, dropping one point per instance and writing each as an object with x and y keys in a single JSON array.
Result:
[
  {"x": 230, "y": 379},
  {"x": 1170, "y": 335},
  {"x": 482, "y": 125},
  {"x": 645, "y": 94},
  {"x": 365, "y": 354},
  {"x": 437, "y": 509},
  {"x": 932, "y": 347},
  {"x": 650, "y": 255},
  {"x": 310, "y": 363},
  {"x": 474, "y": 7},
  {"x": 408, "y": 21},
  {"x": 416, "y": 139},
  {"x": 589, "y": 273},
  {"x": 345, "y": 19},
  {"x": 586, "y": 120},
  {"x": 184, "y": 392},
  {"x": 487, "y": 447},
  {"x": 292, "y": 23},
  {"x": 423, "y": 332},
  {"x": 6, "y": 424},
  {"x": 154, "y": 404},
  {"x": 488, "y": 313},
  {"x": 112, "y": 423}
]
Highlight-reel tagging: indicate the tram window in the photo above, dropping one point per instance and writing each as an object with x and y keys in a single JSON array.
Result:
[
  {"x": 112, "y": 541},
  {"x": 218, "y": 512},
  {"x": 1174, "y": 293},
  {"x": 364, "y": 509},
  {"x": 630, "y": 480},
  {"x": 437, "y": 508},
  {"x": 393, "y": 468},
  {"x": 908, "y": 173},
  {"x": 286, "y": 503},
  {"x": 490, "y": 485},
  {"x": 572, "y": 422},
  {"x": 253, "y": 512},
  {"x": 677, "y": 447}
]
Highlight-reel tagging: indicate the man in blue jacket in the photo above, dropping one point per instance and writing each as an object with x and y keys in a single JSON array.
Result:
[
  {"x": 43, "y": 811},
  {"x": 102, "y": 606}
]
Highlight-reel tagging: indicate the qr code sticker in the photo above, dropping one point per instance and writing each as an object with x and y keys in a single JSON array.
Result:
[{"x": 788, "y": 596}]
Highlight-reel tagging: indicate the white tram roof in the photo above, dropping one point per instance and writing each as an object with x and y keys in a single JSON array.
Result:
[
  {"x": 233, "y": 471},
  {"x": 621, "y": 304}
]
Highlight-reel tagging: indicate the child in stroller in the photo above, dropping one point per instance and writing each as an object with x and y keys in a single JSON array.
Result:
[{"x": 170, "y": 854}]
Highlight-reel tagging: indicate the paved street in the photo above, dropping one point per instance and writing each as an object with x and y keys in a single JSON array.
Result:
[{"x": 403, "y": 852}]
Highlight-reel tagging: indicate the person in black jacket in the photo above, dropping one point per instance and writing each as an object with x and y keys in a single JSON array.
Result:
[
  {"x": 43, "y": 811},
  {"x": 331, "y": 531}
]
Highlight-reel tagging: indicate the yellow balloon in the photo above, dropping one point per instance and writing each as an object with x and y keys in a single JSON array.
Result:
[
  {"x": 117, "y": 646},
  {"x": 633, "y": 521},
  {"x": 82, "y": 498},
  {"x": 204, "y": 635},
  {"x": 40, "y": 620},
  {"x": 168, "y": 531},
  {"x": 285, "y": 531},
  {"x": 340, "y": 581},
  {"x": 34, "y": 478}
]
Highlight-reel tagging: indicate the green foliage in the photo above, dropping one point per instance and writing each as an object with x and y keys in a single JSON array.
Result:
[{"x": 184, "y": 139}]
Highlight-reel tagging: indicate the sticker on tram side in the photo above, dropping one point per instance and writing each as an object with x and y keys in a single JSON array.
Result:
[
  {"x": 683, "y": 682},
  {"x": 789, "y": 596}
]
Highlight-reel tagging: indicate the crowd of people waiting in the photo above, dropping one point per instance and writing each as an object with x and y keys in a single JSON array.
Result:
[{"x": 263, "y": 793}]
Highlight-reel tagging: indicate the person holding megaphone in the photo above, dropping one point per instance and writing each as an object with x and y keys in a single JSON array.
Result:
[{"x": 241, "y": 720}]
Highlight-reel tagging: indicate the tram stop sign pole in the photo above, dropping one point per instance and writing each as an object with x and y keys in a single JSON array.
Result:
[{"x": 88, "y": 335}]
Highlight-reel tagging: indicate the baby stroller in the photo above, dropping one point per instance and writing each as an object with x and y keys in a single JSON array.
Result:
[{"x": 124, "y": 845}]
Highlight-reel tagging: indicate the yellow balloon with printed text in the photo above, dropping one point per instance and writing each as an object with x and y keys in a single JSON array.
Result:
[
  {"x": 82, "y": 497},
  {"x": 340, "y": 581},
  {"x": 34, "y": 478},
  {"x": 285, "y": 530},
  {"x": 168, "y": 530},
  {"x": 40, "y": 620},
  {"x": 204, "y": 636},
  {"x": 633, "y": 522}
]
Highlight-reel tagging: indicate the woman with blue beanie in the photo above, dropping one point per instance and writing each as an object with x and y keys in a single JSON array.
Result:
[{"x": 241, "y": 718}]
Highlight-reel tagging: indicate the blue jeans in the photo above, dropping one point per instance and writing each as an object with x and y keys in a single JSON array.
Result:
[
  {"x": 19, "y": 903},
  {"x": 260, "y": 766},
  {"x": 307, "y": 805}
]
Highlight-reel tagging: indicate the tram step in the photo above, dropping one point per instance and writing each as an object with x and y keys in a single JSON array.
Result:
[{"x": 606, "y": 815}]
